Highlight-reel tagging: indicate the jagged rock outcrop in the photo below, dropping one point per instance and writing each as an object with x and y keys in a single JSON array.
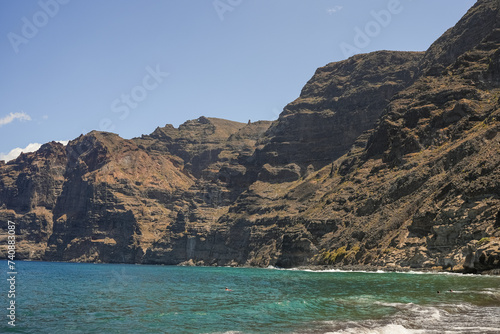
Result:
[
  {"x": 483, "y": 255},
  {"x": 388, "y": 159},
  {"x": 471, "y": 30},
  {"x": 339, "y": 103}
]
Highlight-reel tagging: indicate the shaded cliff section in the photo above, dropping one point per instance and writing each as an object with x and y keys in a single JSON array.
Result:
[
  {"x": 339, "y": 103},
  {"x": 102, "y": 198},
  {"x": 388, "y": 159}
]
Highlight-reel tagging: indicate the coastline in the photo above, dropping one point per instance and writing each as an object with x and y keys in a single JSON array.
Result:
[
  {"x": 311, "y": 268},
  {"x": 380, "y": 269}
]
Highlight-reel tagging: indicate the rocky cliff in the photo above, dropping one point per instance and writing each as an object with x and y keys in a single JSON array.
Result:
[{"x": 388, "y": 159}]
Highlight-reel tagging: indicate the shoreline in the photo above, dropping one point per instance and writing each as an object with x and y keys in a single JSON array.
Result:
[
  {"x": 378, "y": 269},
  {"x": 393, "y": 269},
  {"x": 311, "y": 268}
]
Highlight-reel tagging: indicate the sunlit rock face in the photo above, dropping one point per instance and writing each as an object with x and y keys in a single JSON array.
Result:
[{"x": 387, "y": 159}]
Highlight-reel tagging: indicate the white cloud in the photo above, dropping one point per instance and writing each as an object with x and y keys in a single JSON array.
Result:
[
  {"x": 32, "y": 147},
  {"x": 17, "y": 151},
  {"x": 22, "y": 116},
  {"x": 334, "y": 10}
]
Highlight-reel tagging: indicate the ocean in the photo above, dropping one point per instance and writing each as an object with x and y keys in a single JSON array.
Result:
[{"x": 119, "y": 298}]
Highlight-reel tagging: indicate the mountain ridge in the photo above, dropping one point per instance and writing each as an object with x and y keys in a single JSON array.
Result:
[{"x": 385, "y": 160}]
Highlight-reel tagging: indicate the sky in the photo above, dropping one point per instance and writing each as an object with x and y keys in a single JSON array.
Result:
[{"x": 128, "y": 66}]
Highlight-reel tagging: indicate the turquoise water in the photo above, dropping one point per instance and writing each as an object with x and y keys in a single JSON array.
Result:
[{"x": 105, "y": 298}]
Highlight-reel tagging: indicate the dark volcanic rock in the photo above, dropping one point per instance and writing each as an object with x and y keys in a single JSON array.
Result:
[
  {"x": 471, "y": 30},
  {"x": 336, "y": 106},
  {"x": 386, "y": 160}
]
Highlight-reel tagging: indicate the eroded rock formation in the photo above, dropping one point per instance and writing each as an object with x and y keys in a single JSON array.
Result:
[{"x": 388, "y": 159}]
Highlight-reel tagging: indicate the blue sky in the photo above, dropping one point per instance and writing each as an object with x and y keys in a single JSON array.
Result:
[{"x": 128, "y": 66}]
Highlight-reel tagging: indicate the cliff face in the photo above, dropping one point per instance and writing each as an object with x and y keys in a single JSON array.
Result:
[
  {"x": 339, "y": 103},
  {"x": 471, "y": 30},
  {"x": 386, "y": 159}
]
